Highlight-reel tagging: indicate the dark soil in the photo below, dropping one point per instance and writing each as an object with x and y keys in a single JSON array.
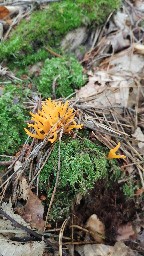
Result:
[{"x": 110, "y": 205}]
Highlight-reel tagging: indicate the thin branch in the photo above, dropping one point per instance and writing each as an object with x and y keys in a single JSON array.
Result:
[{"x": 5, "y": 163}]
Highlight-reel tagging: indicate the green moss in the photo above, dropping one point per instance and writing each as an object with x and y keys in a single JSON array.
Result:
[
  {"x": 129, "y": 189},
  {"x": 68, "y": 75},
  {"x": 47, "y": 27},
  {"x": 82, "y": 164},
  {"x": 39, "y": 55},
  {"x": 12, "y": 119},
  {"x": 129, "y": 186}
]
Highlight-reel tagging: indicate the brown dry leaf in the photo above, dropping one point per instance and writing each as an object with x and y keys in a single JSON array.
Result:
[
  {"x": 93, "y": 87},
  {"x": 125, "y": 232},
  {"x": 96, "y": 227},
  {"x": 11, "y": 248},
  {"x": 119, "y": 249},
  {"x": 33, "y": 210},
  {"x": 127, "y": 62},
  {"x": 4, "y": 12},
  {"x": 105, "y": 89}
]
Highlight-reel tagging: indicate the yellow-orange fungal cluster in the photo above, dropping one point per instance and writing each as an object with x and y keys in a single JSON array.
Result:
[
  {"x": 51, "y": 119},
  {"x": 112, "y": 153}
]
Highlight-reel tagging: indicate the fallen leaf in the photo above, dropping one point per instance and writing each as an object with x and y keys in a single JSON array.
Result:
[
  {"x": 94, "y": 250},
  {"x": 132, "y": 63},
  {"x": 118, "y": 41},
  {"x": 11, "y": 248},
  {"x": 33, "y": 210},
  {"x": 93, "y": 87},
  {"x": 4, "y": 12},
  {"x": 105, "y": 90},
  {"x": 96, "y": 227},
  {"x": 119, "y": 249},
  {"x": 125, "y": 232}
]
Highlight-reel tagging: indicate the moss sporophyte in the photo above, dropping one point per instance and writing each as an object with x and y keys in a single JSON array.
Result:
[{"x": 51, "y": 119}]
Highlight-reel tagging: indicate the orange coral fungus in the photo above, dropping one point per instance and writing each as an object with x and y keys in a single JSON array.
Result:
[
  {"x": 112, "y": 153},
  {"x": 53, "y": 117}
]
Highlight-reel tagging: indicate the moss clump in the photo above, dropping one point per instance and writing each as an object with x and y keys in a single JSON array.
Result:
[
  {"x": 129, "y": 189},
  {"x": 47, "y": 27},
  {"x": 82, "y": 164},
  {"x": 68, "y": 75},
  {"x": 12, "y": 119}
]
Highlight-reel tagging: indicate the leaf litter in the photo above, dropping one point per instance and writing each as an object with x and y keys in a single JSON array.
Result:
[
  {"x": 111, "y": 105},
  {"x": 32, "y": 212},
  {"x": 10, "y": 233}
]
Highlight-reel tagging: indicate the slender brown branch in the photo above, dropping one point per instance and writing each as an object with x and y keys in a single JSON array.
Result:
[
  {"x": 5, "y": 163},
  {"x": 53, "y": 53}
]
